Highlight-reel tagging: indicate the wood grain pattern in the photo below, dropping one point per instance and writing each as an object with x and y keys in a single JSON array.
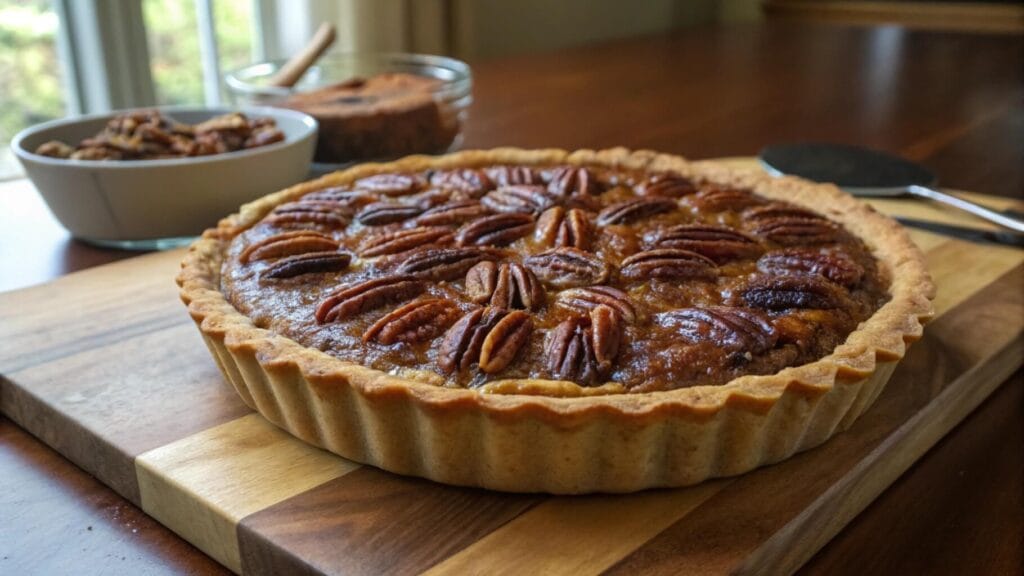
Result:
[
  {"x": 203, "y": 485},
  {"x": 367, "y": 520}
]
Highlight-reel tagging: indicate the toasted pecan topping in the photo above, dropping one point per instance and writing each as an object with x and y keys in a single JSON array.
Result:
[
  {"x": 404, "y": 240},
  {"x": 735, "y": 328},
  {"x": 444, "y": 263},
  {"x": 633, "y": 210},
  {"x": 288, "y": 244},
  {"x": 833, "y": 265},
  {"x": 311, "y": 263},
  {"x": 467, "y": 180},
  {"x": 509, "y": 285},
  {"x": 581, "y": 349},
  {"x": 381, "y": 213},
  {"x": 488, "y": 337},
  {"x": 785, "y": 292},
  {"x": 572, "y": 180},
  {"x": 667, "y": 263},
  {"x": 586, "y": 299},
  {"x": 317, "y": 212},
  {"x": 351, "y": 299},
  {"x": 667, "y": 186},
  {"x": 790, "y": 231},
  {"x": 417, "y": 321},
  {"x": 495, "y": 230},
  {"x": 513, "y": 175},
  {"x": 558, "y": 227},
  {"x": 525, "y": 199},
  {"x": 779, "y": 210},
  {"x": 718, "y": 243},
  {"x": 390, "y": 184},
  {"x": 717, "y": 199},
  {"x": 452, "y": 213},
  {"x": 568, "y": 267}
]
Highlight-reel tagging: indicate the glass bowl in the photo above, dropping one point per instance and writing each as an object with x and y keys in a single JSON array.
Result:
[{"x": 367, "y": 107}]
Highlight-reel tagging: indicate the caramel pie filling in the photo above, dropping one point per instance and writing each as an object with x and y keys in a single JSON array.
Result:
[{"x": 589, "y": 275}]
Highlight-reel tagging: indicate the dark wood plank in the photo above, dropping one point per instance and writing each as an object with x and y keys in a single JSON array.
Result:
[
  {"x": 708, "y": 538},
  {"x": 372, "y": 522},
  {"x": 59, "y": 520},
  {"x": 964, "y": 496}
]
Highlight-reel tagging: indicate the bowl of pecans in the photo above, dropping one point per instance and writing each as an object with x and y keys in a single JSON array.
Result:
[{"x": 154, "y": 178}]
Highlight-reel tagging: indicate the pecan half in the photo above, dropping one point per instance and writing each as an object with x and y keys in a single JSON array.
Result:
[
  {"x": 568, "y": 267},
  {"x": 350, "y": 199},
  {"x": 380, "y": 213},
  {"x": 288, "y": 244},
  {"x": 490, "y": 337},
  {"x": 582, "y": 350},
  {"x": 354, "y": 298},
  {"x": 779, "y": 210},
  {"x": 496, "y": 230},
  {"x": 835, "y": 266},
  {"x": 452, "y": 213},
  {"x": 443, "y": 263},
  {"x": 570, "y": 180},
  {"x": 467, "y": 180},
  {"x": 586, "y": 299},
  {"x": 417, "y": 321},
  {"x": 716, "y": 242},
  {"x": 790, "y": 231},
  {"x": 720, "y": 199},
  {"x": 785, "y": 292},
  {"x": 667, "y": 186},
  {"x": 312, "y": 263},
  {"x": 559, "y": 227},
  {"x": 318, "y": 212},
  {"x": 404, "y": 240},
  {"x": 507, "y": 286},
  {"x": 390, "y": 184},
  {"x": 513, "y": 175},
  {"x": 667, "y": 263},
  {"x": 633, "y": 210},
  {"x": 526, "y": 199},
  {"x": 734, "y": 328}
]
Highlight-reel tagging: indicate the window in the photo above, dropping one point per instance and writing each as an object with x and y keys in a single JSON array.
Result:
[
  {"x": 31, "y": 89},
  {"x": 66, "y": 56}
]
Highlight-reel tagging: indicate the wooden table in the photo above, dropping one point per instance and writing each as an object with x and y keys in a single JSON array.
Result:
[{"x": 952, "y": 102}]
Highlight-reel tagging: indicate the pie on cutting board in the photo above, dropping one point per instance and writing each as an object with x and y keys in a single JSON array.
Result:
[{"x": 538, "y": 320}]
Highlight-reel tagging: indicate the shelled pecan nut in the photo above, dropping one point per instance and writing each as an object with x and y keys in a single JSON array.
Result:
[
  {"x": 583, "y": 350},
  {"x": 495, "y": 230},
  {"x": 474, "y": 183},
  {"x": 390, "y": 184},
  {"x": 667, "y": 186},
  {"x": 721, "y": 199},
  {"x": 667, "y": 263},
  {"x": 715, "y": 242},
  {"x": 319, "y": 212},
  {"x": 569, "y": 180},
  {"x": 489, "y": 337},
  {"x": 311, "y": 263},
  {"x": 513, "y": 175},
  {"x": 509, "y": 285},
  {"x": 417, "y": 321},
  {"x": 786, "y": 292},
  {"x": 568, "y": 267},
  {"x": 444, "y": 263},
  {"x": 354, "y": 298},
  {"x": 586, "y": 299},
  {"x": 381, "y": 213},
  {"x": 778, "y": 210},
  {"x": 735, "y": 328},
  {"x": 558, "y": 227},
  {"x": 288, "y": 244},
  {"x": 452, "y": 213},
  {"x": 525, "y": 199},
  {"x": 790, "y": 231},
  {"x": 835, "y": 266},
  {"x": 633, "y": 210},
  {"x": 404, "y": 240},
  {"x": 350, "y": 199}
]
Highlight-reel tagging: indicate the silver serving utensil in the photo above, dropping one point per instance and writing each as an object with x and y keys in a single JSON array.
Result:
[{"x": 869, "y": 173}]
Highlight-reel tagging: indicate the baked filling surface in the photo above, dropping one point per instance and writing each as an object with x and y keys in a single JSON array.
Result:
[{"x": 471, "y": 277}]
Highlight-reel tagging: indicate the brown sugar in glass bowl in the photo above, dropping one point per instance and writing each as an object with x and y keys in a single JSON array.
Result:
[{"x": 546, "y": 321}]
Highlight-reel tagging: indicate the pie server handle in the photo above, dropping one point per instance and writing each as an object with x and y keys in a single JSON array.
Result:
[{"x": 967, "y": 206}]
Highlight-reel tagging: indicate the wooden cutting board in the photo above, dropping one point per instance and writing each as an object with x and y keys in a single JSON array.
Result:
[{"x": 106, "y": 367}]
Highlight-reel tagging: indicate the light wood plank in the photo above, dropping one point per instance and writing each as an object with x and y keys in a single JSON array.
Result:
[{"x": 203, "y": 485}]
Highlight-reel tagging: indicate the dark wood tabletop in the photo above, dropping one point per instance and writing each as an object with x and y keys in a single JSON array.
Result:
[{"x": 954, "y": 102}]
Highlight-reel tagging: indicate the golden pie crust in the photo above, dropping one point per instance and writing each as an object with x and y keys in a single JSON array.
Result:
[{"x": 554, "y": 436}]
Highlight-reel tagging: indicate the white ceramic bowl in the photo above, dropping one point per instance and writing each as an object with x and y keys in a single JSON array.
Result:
[{"x": 156, "y": 203}]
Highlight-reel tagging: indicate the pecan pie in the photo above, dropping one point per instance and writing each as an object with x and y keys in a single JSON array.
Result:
[{"x": 546, "y": 321}]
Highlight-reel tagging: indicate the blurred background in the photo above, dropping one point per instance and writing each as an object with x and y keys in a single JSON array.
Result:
[{"x": 61, "y": 57}]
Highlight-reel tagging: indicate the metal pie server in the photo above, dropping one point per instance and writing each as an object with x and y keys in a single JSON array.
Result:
[{"x": 869, "y": 173}]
